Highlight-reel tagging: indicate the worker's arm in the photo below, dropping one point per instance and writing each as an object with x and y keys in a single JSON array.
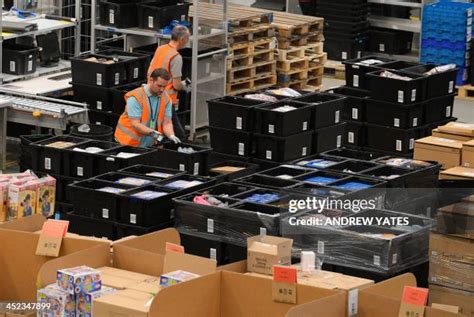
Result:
[
  {"x": 168, "y": 127},
  {"x": 139, "y": 127},
  {"x": 176, "y": 67},
  {"x": 134, "y": 112}
]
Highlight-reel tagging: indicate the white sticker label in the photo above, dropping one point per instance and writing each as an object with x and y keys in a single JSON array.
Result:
[
  {"x": 339, "y": 141},
  {"x": 98, "y": 79},
  {"x": 359, "y": 54},
  {"x": 210, "y": 225},
  {"x": 355, "y": 80},
  {"x": 415, "y": 122},
  {"x": 376, "y": 260},
  {"x": 320, "y": 247},
  {"x": 451, "y": 87},
  {"x": 47, "y": 163},
  {"x": 80, "y": 171},
  {"x": 413, "y": 94},
  {"x": 353, "y": 302},
  {"x": 238, "y": 123},
  {"x": 99, "y": 105},
  {"x": 135, "y": 72},
  {"x": 398, "y": 145},
  {"x": 105, "y": 213},
  {"x": 133, "y": 218},
  {"x": 30, "y": 66},
  {"x": 382, "y": 47},
  {"x": 150, "y": 22},
  {"x": 304, "y": 151},
  {"x": 117, "y": 78},
  {"x": 305, "y": 125},
  {"x": 401, "y": 96},
  {"x": 448, "y": 111},
  {"x": 196, "y": 168},
  {"x": 394, "y": 258},
  {"x": 344, "y": 55},
  {"x": 241, "y": 148},
  {"x": 350, "y": 137},
  {"x": 412, "y": 143},
  {"x": 355, "y": 113},
  {"x": 271, "y": 128},
  {"x": 12, "y": 66},
  {"x": 111, "y": 16},
  {"x": 98, "y": 123},
  {"x": 337, "y": 116},
  {"x": 182, "y": 168},
  {"x": 268, "y": 155},
  {"x": 213, "y": 254},
  {"x": 263, "y": 232},
  {"x": 396, "y": 122}
]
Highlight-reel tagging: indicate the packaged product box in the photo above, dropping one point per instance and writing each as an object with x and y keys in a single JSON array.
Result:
[
  {"x": 176, "y": 277},
  {"x": 126, "y": 302},
  {"x": 450, "y": 296},
  {"x": 468, "y": 154},
  {"x": 466, "y": 129},
  {"x": 265, "y": 252},
  {"x": 22, "y": 199},
  {"x": 150, "y": 286},
  {"x": 452, "y": 247},
  {"x": 62, "y": 304},
  {"x": 85, "y": 301},
  {"x": 46, "y": 196},
  {"x": 121, "y": 279},
  {"x": 462, "y": 138},
  {"x": 457, "y": 173},
  {"x": 457, "y": 219},
  {"x": 3, "y": 200},
  {"x": 447, "y": 152},
  {"x": 79, "y": 279}
]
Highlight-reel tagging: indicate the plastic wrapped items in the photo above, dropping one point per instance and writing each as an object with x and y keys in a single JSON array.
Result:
[{"x": 261, "y": 97}]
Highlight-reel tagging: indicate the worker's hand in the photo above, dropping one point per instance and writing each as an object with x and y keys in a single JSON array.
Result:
[
  {"x": 157, "y": 136},
  {"x": 175, "y": 139},
  {"x": 186, "y": 84}
]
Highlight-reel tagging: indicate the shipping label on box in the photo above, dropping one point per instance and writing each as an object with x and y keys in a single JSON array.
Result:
[{"x": 263, "y": 252}]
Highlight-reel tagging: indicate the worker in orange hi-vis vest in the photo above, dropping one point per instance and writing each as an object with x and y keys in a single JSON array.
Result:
[
  {"x": 167, "y": 57},
  {"x": 147, "y": 115}
]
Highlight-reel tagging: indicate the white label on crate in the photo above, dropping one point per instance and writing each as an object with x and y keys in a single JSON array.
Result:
[
  {"x": 448, "y": 111},
  {"x": 105, "y": 213},
  {"x": 304, "y": 151},
  {"x": 80, "y": 171},
  {"x": 30, "y": 66},
  {"x": 355, "y": 80},
  {"x": 12, "y": 66},
  {"x": 110, "y": 159},
  {"x": 401, "y": 96},
  {"x": 396, "y": 122},
  {"x": 337, "y": 116},
  {"x": 238, "y": 123},
  {"x": 99, "y": 105},
  {"x": 412, "y": 143},
  {"x": 263, "y": 232},
  {"x": 305, "y": 125},
  {"x": 212, "y": 254},
  {"x": 415, "y": 122},
  {"x": 241, "y": 148},
  {"x": 359, "y": 54},
  {"x": 210, "y": 225},
  {"x": 135, "y": 72},
  {"x": 382, "y": 47},
  {"x": 413, "y": 94},
  {"x": 172, "y": 214},
  {"x": 320, "y": 247},
  {"x": 117, "y": 78},
  {"x": 133, "y": 218},
  {"x": 182, "y": 168},
  {"x": 355, "y": 66},
  {"x": 350, "y": 137},
  {"x": 111, "y": 16},
  {"x": 398, "y": 145},
  {"x": 208, "y": 68},
  {"x": 98, "y": 79},
  {"x": 394, "y": 258},
  {"x": 271, "y": 128},
  {"x": 150, "y": 22},
  {"x": 268, "y": 155},
  {"x": 377, "y": 260},
  {"x": 433, "y": 279},
  {"x": 339, "y": 141},
  {"x": 344, "y": 55},
  {"x": 355, "y": 113},
  {"x": 47, "y": 163},
  {"x": 183, "y": 17},
  {"x": 353, "y": 302},
  {"x": 98, "y": 123},
  {"x": 196, "y": 168},
  {"x": 451, "y": 87}
]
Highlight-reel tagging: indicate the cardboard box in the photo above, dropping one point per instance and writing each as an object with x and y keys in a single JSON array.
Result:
[
  {"x": 454, "y": 248},
  {"x": 445, "y": 271},
  {"x": 449, "y": 296},
  {"x": 85, "y": 301},
  {"x": 456, "y": 219},
  {"x": 121, "y": 279},
  {"x": 265, "y": 252},
  {"x": 447, "y": 152},
  {"x": 123, "y": 303},
  {"x": 20, "y": 314},
  {"x": 176, "y": 277},
  {"x": 457, "y": 173},
  {"x": 63, "y": 303},
  {"x": 81, "y": 279},
  {"x": 466, "y": 129},
  {"x": 468, "y": 154},
  {"x": 437, "y": 133}
]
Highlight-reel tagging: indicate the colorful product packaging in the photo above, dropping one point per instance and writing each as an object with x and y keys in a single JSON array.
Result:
[
  {"x": 60, "y": 303},
  {"x": 176, "y": 277},
  {"x": 46, "y": 196},
  {"x": 81, "y": 279},
  {"x": 3, "y": 200},
  {"x": 22, "y": 199},
  {"x": 84, "y": 301}
]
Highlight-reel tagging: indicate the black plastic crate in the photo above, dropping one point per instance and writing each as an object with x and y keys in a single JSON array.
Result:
[
  {"x": 106, "y": 118},
  {"x": 394, "y": 114},
  {"x": 205, "y": 65},
  {"x": 157, "y": 15},
  {"x": 399, "y": 65},
  {"x": 124, "y": 230},
  {"x": 356, "y": 70},
  {"x": 272, "y": 122},
  {"x": 95, "y": 132},
  {"x": 62, "y": 193},
  {"x": 118, "y": 96},
  {"x": 81, "y": 164},
  {"x": 51, "y": 159},
  {"x": 136, "y": 63},
  {"x": 19, "y": 59},
  {"x": 136, "y": 209},
  {"x": 328, "y": 138},
  {"x": 393, "y": 140},
  {"x": 170, "y": 155},
  {"x": 319, "y": 161},
  {"x": 233, "y": 113},
  {"x": 286, "y": 172},
  {"x": 245, "y": 169},
  {"x": 160, "y": 173},
  {"x": 225, "y": 190},
  {"x": 185, "y": 184},
  {"x": 98, "y": 98},
  {"x": 390, "y": 41},
  {"x": 26, "y": 155},
  {"x": 90, "y": 227},
  {"x": 340, "y": 49},
  {"x": 118, "y": 13},
  {"x": 109, "y": 161},
  {"x": 321, "y": 177},
  {"x": 395, "y": 90},
  {"x": 264, "y": 181},
  {"x": 203, "y": 247},
  {"x": 265, "y": 164},
  {"x": 90, "y": 200},
  {"x": 97, "y": 70},
  {"x": 283, "y": 149},
  {"x": 327, "y": 109},
  {"x": 353, "y": 166},
  {"x": 394, "y": 176},
  {"x": 216, "y": 157},
  {"x": 355, "y": 104},
  {"x": 126, "y": 179},
  {"x": 439, "y": 109},
  {"x": 356, "y": 154},
  {"x": 231, "y": 141},
  {"x": 438, "y": 84},
  {"x": 356, "y": 134}
]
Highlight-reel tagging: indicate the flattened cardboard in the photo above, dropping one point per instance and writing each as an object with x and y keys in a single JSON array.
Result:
[
  {"x": 448, "y": 308},
  {"x": 451, "y": 136},
  {"x": 468, "y": 154},
  {"x": 265, "y": 252},
  {"x": 447, "y": 152},
  {"x": 459, "y": 128},
  {"x": 457, "y": 173},
  {"x": 449, "y": 296}
]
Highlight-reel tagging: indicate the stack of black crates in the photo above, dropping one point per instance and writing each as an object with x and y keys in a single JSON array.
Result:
[
  {"x": 389, "y": 114},
  {"x": 346, "y": 30}
]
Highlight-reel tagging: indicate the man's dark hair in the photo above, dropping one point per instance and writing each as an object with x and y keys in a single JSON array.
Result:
[{"x": 160, "y": 72}]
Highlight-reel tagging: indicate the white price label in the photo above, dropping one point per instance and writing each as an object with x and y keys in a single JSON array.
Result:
[
  {"x": 353, "y": 302},
  {"x": 98, "y": 79},
  {"x": 105, "y": 213},
  {"x": 382, "y": 47},
  {"x": 135, "y": 72},
  {"x": 344, "y": 55},
  {"x": 150, "y": 22},
  {"x": 47, "y": 163},
  {"x": 377, "y": 260},
  {"x": 451, "y": 87},
  {"x": 213, "y": 254},
  {"x": 350, "y": 137},
  {"x": 238, "y": 123},
  {"x": 337, "y": 116},
  {"x": 208, "y": 68},
  {"x": 304, "y": 151},
  {"x": 268, "y": 155},
  {"x": 271, "y": 128},
  {"x": 210, "y": 225},
  {"x": 415, "y": 122},
  {"x": 241, "y": 149},
  {"x": 320, "y": 247},
  {"x": 412, "y": 143},
  {"x": 117, "y": 78},
  {"x": 133, "y": 219},
  {"x": 111, "y": 16},
  {"x": 396, "y": 122},
  {"x": 305, "y": 125},
  {"x": 355, "y": 80},
  {"x": 339, "y": 141},
  {"x": 448, "y": 111},
  {"x": 394, "y": 258},
  {"x": 196, "y": 168},
  {"x": 80, "y": 171},
  {"x": 99, "y": 105},
  {"x": 401, "y": 96},
  {"x": 182, "y": 168},
  {"x": 398, "y": 145},
  {"x": 12, "y": 66},
  {"x": 355, "y": 113},
  {"x": 30, "y": 66},
  {"x": 413, "y": 94}
]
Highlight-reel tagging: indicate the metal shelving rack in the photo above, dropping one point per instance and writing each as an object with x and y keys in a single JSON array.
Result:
[{"x": 207, "y": 36}]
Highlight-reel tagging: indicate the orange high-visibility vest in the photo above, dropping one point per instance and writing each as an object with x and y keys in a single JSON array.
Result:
[
  {"x": 164, "y": 54},
  {"x": 124, "y": 133}
]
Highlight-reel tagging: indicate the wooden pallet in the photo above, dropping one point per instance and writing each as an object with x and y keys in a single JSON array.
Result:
[
  {"x": 263, "y": 45},
  {"x": 265, "y": 82},
  {"x": 264, "y": 56},
  {"x": 313, "y": 88},
  {"x": 245, "y": 35},
  {"x": 313, "y": 50},
  {"x": 292, "y": 64},
  {"x": 241, "y": 49},
  {"x": 241, "y": 73},
  {"x": 335, "y": 69},
  {"x": 292, "y": 76},
  {"x": 297, "y": 52},
  {"x": 239, "y": 61},
  {"x": 315, "y": 81},
  {"x": 317, "y": 60},
  {"x": 288, "y": 24},
  {"x": 240, "y": 87},
  {"x": 315, "y": 71},
  {"x": 298, "y": 84},
  {"x": 466, "y": 92},
  {"x": 264, "y": 69}
]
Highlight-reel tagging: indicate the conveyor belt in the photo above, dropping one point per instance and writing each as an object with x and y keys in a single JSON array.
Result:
[{"x": 42, "y": 106}]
